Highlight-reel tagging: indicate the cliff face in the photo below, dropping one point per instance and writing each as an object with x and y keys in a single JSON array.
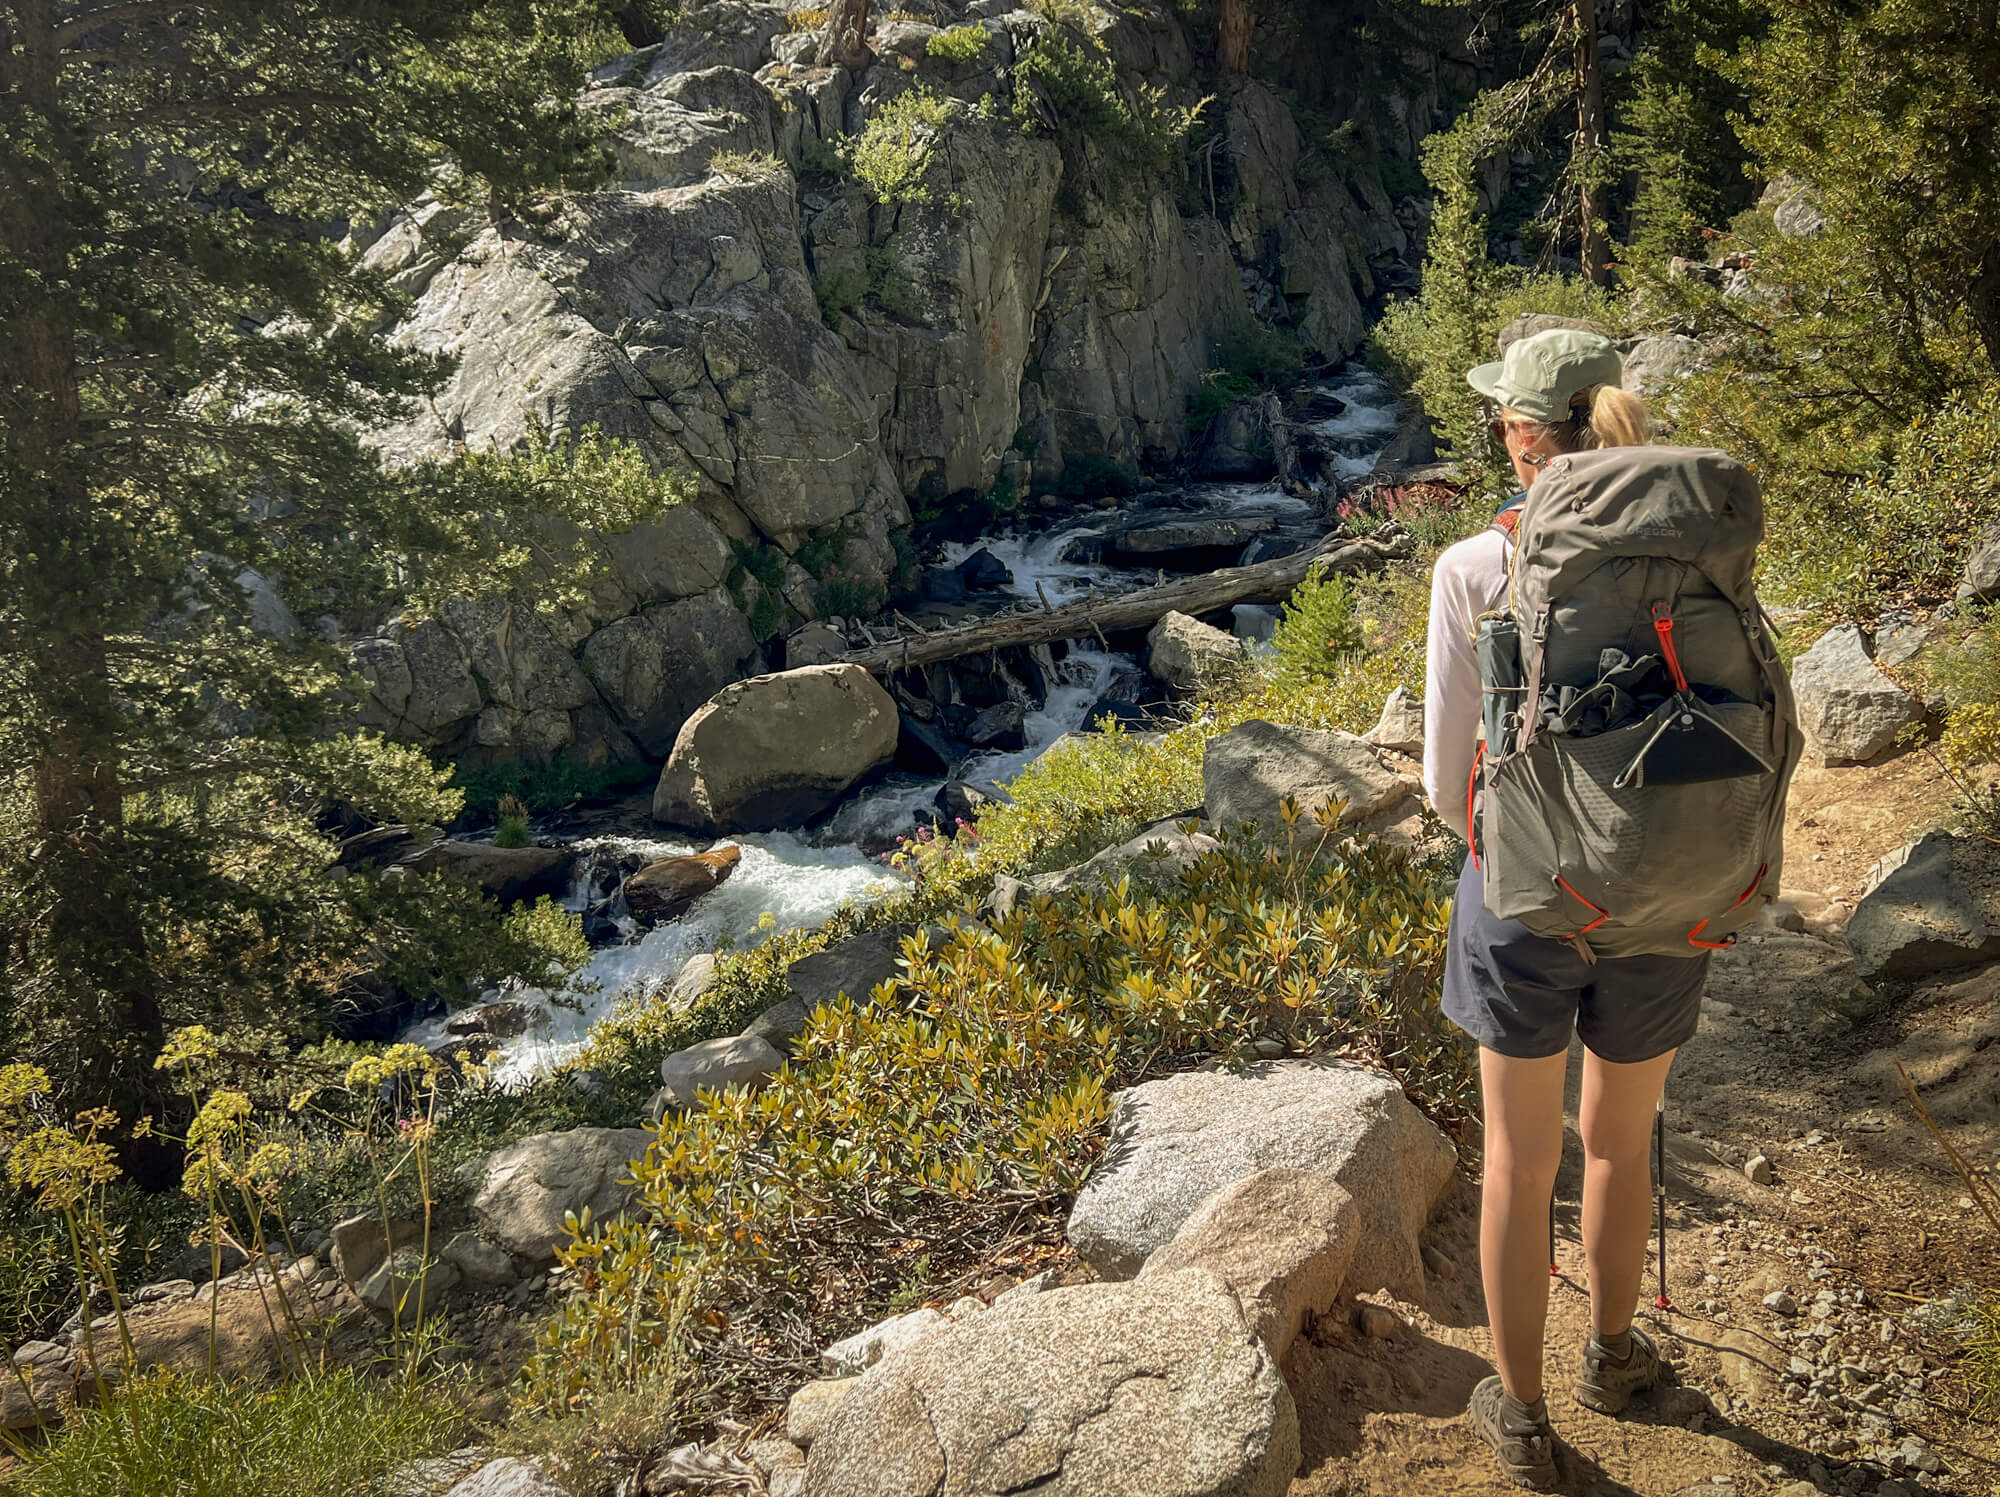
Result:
[{"x": 741, "y": 309}]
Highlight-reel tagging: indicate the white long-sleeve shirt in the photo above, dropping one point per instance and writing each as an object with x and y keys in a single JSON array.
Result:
[{"x": 1470, "y": 579}]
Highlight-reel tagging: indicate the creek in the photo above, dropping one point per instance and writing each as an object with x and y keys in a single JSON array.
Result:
[{"x": 795, "y": 880}]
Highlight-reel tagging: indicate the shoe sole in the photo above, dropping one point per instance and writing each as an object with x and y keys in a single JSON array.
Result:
[{"x": 1534, "y": 1478}]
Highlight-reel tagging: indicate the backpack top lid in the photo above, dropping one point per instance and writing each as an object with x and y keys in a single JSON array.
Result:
[{"x": 1688, "y": 504}]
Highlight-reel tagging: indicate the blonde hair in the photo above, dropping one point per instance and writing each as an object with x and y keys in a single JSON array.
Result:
[{"x": 1602, "y": 416}]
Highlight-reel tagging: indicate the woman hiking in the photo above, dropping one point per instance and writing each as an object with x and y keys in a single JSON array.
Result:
[{"x": 1519, "y": 995}]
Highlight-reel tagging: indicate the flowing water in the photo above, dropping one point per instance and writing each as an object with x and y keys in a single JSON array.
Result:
[{"x": 788, "y": 881}]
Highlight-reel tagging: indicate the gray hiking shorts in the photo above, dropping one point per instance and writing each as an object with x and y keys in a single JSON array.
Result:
[{"x": 1521, "y": 994}]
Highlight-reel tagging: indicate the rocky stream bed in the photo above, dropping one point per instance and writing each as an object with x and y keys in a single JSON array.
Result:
[{"x": 794, "y": 879}]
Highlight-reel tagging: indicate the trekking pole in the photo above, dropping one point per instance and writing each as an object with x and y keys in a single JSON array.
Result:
[
  {"x": 1660, "y": 1194},
  {"x": 1554, "y": 1272}
]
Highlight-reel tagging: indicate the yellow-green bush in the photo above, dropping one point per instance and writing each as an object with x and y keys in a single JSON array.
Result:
[
  {"x": 1966, "y": 673},
  {"x": 959, "y": 44},
  {"x": 894, "y": 157},
  {"x": 979, "y": 1087}
]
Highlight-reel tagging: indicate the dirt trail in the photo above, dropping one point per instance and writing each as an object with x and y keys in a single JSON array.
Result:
[{"x": 1794, "y": 1062}]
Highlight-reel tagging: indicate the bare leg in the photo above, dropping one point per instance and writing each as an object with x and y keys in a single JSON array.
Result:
[
  {"x": 1616, "y": 1120},
  {"x": 1524, "y": 1120}
]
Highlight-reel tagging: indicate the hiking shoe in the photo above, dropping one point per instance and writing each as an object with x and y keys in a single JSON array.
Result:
[
  {"x": 1608, "y": 1385},
  {"x": 1522, "y": 1441}
]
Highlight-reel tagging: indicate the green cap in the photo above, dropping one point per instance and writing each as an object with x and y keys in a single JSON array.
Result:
[{"x": 1541, "y": 375}]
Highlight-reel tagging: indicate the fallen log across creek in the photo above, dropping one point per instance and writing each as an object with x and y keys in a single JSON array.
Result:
[{"x": 1266, "y": 582}]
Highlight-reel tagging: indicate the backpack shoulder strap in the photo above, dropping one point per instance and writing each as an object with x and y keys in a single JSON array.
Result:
[{"x": 1508, "y": 521}]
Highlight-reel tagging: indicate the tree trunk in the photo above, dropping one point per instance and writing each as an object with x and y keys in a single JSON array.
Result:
[
  {"x": 1233, "y": 33},
  {"x": 1591, "y": 144},
  {"x": 1266, "y": 582},
  {"x": 93, "y": 974},
  {"x": 844, "y": 42}
]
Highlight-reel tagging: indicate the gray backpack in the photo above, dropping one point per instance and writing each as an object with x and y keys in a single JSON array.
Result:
[{"x": 1640, "y": 729}]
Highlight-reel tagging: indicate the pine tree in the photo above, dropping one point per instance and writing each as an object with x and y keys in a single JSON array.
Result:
[
  {"x": 1889, "y": 110},
  {"x": 1675, "y": 132},
  {"x": 189, "y": 360}
]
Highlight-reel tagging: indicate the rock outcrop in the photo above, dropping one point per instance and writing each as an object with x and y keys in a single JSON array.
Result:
[
  {"x": 1401, "y": 725},
  {"x": 1932, "y": 906},
  {"x": 1155, "y": 856},
  {"x": 776, "y": 750},
  {"x": 1281, "y": 1239},
  {"x": 1981, "y": 583},
  {"x": 1177, "y": 1141},
  {"x": 507, "y": 873},
  {"x": 1096, "y": 1391},
  {"x": 1850, "y": 709},
  {"x": 810, "y": 354}
]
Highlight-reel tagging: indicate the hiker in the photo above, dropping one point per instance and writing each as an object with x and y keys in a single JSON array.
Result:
[{"x": 1561, "y": 413}]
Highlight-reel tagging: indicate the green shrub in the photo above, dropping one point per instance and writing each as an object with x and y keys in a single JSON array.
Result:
[
  {"x": 816, "y": 155},
  {"x": 1268, "y": 357},
  {"x": 1142, "y": 133},
  {"x": 1217, "y": 392},
  {"x": 1858, "y": 516},
  {"x": 1318, "y": 631},
  {"x": 164, "y": 1435},
  {"x": 1002, "y": 497},
  {"x": 895, "y": 158},
  {"x": 959, "y": 44},
  {"x": 839, "y": 288},
  {"x": 852, "y": 598},
  {"x": 822, "y": 555},
  {"x": 1966, "y": 673},
  {"x": 513, "y": 828},
  {"x": 766, "y": 615}
]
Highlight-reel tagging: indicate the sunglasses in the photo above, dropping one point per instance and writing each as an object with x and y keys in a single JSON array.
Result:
[{"x": 1499, "y": 426}]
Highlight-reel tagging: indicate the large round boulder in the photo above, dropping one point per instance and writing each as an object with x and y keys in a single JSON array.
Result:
[
  {"x": 1104, "y": 1390},
  {"x": 526, "y": 1189},
  {"x": 1188, "y": 654},
  {"x": 1177, "y": 1141},
  {"x": 776, "y": 750}
]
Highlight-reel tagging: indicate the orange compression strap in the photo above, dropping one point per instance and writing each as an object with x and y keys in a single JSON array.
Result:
[
  {"x": 1663, "y": 625},
  {"x": 1602, "y": 913},
  {"x": 1694, "y": 936}
]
